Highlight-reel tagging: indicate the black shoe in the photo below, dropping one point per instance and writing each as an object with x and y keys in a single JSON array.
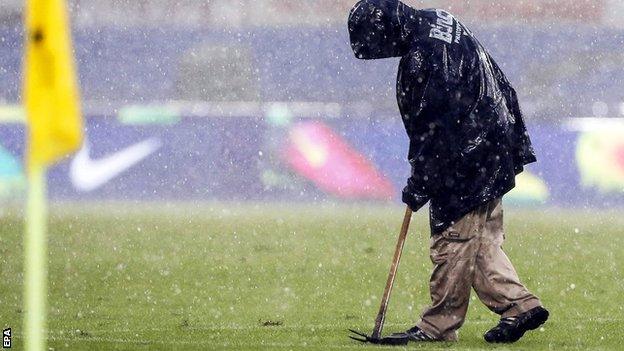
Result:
[
  {"x": 511, "y": 329},
  {"x": 415, "y": 334}
]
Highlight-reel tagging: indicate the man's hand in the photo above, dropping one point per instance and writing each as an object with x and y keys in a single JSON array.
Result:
[{"x": 414, "y": 197}]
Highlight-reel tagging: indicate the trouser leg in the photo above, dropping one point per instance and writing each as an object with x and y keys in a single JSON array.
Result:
[
  {"x": 453, "y": 254},
  {"x": 496, "y": 281}
]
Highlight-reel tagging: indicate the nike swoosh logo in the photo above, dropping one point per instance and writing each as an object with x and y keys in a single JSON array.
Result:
[{"x": 87, "y": 174}]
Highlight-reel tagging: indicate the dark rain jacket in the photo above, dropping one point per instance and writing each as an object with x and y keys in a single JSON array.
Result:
[{"x": 468, "y": 140}]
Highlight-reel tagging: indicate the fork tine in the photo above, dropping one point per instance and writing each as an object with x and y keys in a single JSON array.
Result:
[
  {"x": 358, "y": 339},
  {"x": 358, "y": 333},
  {"x": 359, "y": 336}
]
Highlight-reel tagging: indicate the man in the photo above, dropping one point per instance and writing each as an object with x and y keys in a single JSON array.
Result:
[{"x": 468, "y": 141}]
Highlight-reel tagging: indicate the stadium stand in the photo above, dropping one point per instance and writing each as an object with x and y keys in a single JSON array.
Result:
[{"x": 161, "y": 50}]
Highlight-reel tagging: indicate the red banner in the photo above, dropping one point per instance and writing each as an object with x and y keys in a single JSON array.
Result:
[{"x": 323, "y": 157}]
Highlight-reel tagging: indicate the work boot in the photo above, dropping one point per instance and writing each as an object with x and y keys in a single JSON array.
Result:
[{"x": 511, "y": 329}]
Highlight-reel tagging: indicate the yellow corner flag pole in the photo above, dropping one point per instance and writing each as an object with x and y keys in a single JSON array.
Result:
[
  {"x": 36, "y": 253},
  {"x": 51, "y": 100}
]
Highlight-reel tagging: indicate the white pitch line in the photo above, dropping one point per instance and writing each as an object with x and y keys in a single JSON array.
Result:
[{"x": 289, "y": 327}]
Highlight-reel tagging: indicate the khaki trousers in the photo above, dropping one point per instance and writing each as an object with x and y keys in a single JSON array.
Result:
[{"x": 469, "y": 255}]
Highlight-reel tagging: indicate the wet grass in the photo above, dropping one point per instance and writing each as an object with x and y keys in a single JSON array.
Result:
[{"x": 218, "y": 276}]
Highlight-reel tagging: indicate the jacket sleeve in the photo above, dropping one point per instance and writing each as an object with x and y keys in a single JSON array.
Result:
[
  {"x": 430, "y": 162},
  {"x": 427, "y": 102}
]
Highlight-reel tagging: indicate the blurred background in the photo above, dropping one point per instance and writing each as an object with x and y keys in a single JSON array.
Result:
[{"x": 262, "y": 100}]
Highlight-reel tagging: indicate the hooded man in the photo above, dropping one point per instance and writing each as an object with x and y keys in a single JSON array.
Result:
[{"x": 468, "y": 141}]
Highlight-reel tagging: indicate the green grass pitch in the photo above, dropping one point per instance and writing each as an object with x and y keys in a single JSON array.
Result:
[{"x": 293, "y": 277}]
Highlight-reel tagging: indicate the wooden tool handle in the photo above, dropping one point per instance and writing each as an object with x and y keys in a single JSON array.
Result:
[{"x": 381, "y": 316}]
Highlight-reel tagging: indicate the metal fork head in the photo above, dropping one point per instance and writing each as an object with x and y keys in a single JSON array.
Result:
[{"x": 361, "y": 337}]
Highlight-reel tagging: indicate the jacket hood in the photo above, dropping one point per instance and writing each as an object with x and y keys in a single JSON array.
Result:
[{"x": 378, "y": 28}]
